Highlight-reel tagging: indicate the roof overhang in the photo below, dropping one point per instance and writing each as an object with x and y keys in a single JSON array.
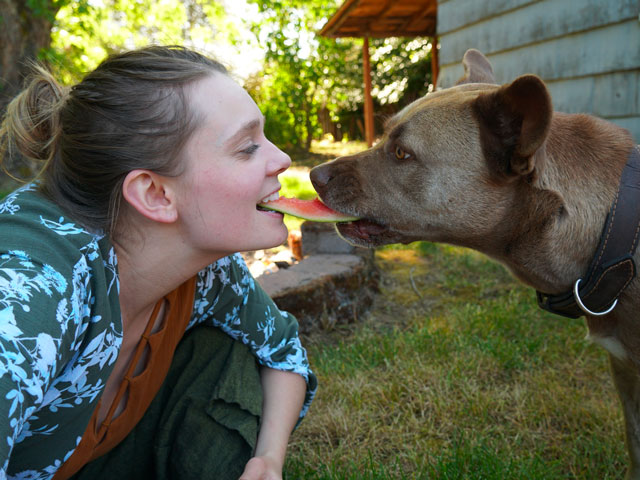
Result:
[{"x": 383, "y": 18}]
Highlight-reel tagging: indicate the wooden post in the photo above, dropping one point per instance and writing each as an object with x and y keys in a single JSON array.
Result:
[
  {"x": 368, "y": 101},
  {"x": 434, "y": 61}
]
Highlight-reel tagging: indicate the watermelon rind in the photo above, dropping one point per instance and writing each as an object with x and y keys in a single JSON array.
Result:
[{"x": 313, "y": 210}]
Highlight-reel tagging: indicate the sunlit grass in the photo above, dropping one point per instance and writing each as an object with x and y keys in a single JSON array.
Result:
[
  {"x": 457, "y": 374},
  {"x": 337, "y": 149},
  {"x": 324, "y": 151},
  {"x": 295, "y": 183}
]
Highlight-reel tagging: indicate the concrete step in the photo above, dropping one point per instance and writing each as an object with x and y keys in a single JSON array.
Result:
[
  {"x": 324, "y": 290},
  {"x": 334, "y": 283}
]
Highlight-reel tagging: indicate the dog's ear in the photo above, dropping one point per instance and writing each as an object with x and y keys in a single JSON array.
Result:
[
  {"x": 514, "y": 122},
  {"x": 477, "y": 68}
]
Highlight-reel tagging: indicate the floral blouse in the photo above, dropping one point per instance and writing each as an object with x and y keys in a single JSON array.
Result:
[{"x": 61, "y": 329}]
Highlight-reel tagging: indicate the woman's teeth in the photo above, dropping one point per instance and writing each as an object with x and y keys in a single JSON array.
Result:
[{"x": 270, "y": 198}]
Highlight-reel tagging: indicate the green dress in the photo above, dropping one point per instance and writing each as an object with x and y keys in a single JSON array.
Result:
[{"x": 61, "y": 329}]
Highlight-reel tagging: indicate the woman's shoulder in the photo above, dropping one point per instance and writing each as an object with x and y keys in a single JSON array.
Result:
[
  {"x": 226, "y": 271},
  {"x": 50, "y": 263},
  {"x": 31, "y": 223},
  {"x": 28, "y": 208}
]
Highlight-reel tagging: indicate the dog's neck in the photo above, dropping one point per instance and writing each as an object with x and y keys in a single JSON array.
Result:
[{"x": 561, "y": 214}]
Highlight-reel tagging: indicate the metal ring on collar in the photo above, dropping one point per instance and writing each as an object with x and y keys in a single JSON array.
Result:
[{"x": 576, "y": 294}]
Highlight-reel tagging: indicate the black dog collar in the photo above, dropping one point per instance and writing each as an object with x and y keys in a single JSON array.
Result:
[{"x": 612, "y": 267}]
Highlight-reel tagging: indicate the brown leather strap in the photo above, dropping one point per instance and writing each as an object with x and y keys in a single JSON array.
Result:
[
  {"x": 141, "y": 388},
  {"x": 612, "y": 267}
]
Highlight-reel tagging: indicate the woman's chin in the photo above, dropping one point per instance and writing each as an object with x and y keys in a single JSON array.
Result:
[
  {"x": 274, "y": 238},
  {"x": 282, "y": 238}
]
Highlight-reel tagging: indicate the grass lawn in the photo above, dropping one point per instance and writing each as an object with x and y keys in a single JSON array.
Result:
[
  {"x": 456, "y": 374},
  {"x": 324, "y": 151}
]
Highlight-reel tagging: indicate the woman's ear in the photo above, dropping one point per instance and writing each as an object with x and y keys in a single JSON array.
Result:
[{"x": 150, "y": 195}]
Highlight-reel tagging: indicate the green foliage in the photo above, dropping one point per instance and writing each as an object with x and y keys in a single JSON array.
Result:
[
  {"x": 305, "y": 73},
  {"x": 401, "y": 69},
  {"x": 40, "y": 8},
  {"x": 47, "y": 8},
  {"x": 297, "y": 186},
  {"x": 85, "y": 32},
  {"x": 291, "y": 88}
]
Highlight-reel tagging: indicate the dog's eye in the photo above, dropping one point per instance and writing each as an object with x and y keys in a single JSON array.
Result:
[{"x": 401, "y": 154}]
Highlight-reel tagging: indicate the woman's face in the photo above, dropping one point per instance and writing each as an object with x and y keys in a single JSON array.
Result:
[{"x": 230, "y": 168}]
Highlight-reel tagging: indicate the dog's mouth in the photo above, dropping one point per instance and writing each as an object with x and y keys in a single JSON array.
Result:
[
  {"x": 365, "y": 232},
  {"x": 364, "y": 228}
]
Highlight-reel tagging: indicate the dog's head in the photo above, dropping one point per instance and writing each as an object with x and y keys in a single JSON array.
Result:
[{"x": 447, "y": 165}]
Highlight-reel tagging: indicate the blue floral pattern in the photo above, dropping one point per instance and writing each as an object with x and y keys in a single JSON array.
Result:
[{"x": 60, "y": 329}]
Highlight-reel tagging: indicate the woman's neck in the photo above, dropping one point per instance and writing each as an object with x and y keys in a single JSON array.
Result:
[{"x": 152, "y": 263}]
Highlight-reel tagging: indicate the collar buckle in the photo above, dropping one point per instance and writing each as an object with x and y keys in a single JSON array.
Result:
[{"x": 576, "y": 295}]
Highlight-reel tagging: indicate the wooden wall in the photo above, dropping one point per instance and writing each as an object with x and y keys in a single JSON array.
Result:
[{"x": 587, "y": 51}]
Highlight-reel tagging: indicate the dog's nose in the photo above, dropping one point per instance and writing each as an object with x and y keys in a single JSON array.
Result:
[{"x": 320, "y": 176}]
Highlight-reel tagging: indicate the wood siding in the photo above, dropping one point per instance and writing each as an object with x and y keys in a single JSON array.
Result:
[{"x": 586, "y": 51}]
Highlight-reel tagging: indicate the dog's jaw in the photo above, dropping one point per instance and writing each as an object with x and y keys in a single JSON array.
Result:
[{"x": 369, "y": 234}]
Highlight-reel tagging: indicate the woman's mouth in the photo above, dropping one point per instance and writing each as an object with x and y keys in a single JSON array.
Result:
[{"x": 269, "y": 198}]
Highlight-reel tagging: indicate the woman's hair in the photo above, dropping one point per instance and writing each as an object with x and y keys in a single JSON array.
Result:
[{"x": 130, "y": 113}]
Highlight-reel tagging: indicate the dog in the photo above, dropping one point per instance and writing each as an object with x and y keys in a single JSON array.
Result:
[{"x": 495, "y": 169}]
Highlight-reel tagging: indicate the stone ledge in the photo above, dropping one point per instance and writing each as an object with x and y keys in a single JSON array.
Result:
[
  {"x": 325, "y": 289},
  {"x": 322, "y": 238}
]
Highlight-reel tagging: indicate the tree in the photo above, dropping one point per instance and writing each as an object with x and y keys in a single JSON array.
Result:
[
  {"x": 73, "y": 36},
  {"x": 299, "y": 68},
  {"x": 25, "y": 30},
  {"x": 81, "y": 41},
  {"x": 305, "y": 73}
]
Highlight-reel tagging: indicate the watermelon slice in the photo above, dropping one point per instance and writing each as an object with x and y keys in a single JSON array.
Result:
[{"x": 313, "y": 210}]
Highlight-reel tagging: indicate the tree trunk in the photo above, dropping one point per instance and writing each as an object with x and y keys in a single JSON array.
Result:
[
  {"x": 23, "y": 34},
  {"x": 309, "y": 127},
  {"x": 308, "y": 107}
]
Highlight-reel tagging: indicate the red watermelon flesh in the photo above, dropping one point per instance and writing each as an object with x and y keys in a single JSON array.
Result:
[{"x": 313, "y": 210}]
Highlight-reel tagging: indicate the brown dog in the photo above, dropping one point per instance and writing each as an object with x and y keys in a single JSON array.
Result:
[{"x": 493, "y": 168}]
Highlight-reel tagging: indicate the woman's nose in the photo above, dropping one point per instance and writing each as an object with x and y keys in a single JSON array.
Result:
[{"x": 280, "y": 162}]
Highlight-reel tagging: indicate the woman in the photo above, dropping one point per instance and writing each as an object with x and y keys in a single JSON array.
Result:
[{"x": 153, "y": 167}]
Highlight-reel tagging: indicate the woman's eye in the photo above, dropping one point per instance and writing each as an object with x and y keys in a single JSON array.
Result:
[
  {"x": 401, "y": 154},
  {"x": 251, "y": 149}
]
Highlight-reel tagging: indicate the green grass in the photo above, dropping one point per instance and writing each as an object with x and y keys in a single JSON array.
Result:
[
  {"x": 323, "y": 151},
  {"x": 455, "y": 374},
  {"x": 296, "y": 183}
]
